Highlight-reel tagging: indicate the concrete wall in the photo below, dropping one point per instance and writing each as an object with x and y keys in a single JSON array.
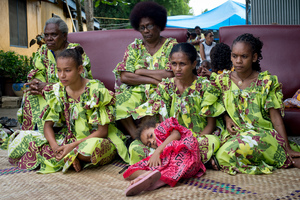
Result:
[{"x": 38, "y": 12}]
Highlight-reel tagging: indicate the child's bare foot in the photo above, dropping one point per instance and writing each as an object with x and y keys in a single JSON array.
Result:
[
  {"x": 213, "y": 164},
  {"x": 76, "y": 165},
  {"x": 293, "y": 154},
  {"x": 139, "y": 178},
  {"x": 143, "y": 183}
]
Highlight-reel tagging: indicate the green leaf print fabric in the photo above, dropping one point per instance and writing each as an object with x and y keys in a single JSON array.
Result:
[
  {"x": 190, "y": 109},
  {"x": 136, "y": 57},
  {"x": 29, "y": 149},
  {"x": 257, "y": 148},
  {"x": 45, "y": 70}
]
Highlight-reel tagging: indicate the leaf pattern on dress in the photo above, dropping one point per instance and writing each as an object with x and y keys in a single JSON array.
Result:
[
  {"x": 256, "y": 148},
  {"x": 137, "y": 57}
]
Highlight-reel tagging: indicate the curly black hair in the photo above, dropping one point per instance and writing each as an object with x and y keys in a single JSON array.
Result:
[
  {"x": 151, "y": 10},
  {"x": 150, "y": 123},
  {"x": 74, "y": 53},
  {"x": 220, "y": 56},
  {"x": 256, "y": 46}
]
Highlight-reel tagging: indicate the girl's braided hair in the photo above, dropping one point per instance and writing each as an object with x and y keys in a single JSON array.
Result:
[
  {"x": 75, "y": 53},
  {"x": 256, "y": 46}
]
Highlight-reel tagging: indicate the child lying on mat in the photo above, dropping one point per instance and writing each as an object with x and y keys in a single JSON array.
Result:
[{"x": 176, "y": 156}]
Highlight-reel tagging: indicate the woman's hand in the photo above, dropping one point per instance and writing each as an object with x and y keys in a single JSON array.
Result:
[
  {"x": 62, "y": 151},
  {"x": 35, "y": 87},
  {"x": 158, "y": 74},
  {"x": 130, "y": 78},
  {"x": 54, "y": 149},
  {"x": 139, "y": 72},
  {"x": 279, "y": 127},
  {"x": 230, "y": 125},
  {"x": 154, "y": 160}
]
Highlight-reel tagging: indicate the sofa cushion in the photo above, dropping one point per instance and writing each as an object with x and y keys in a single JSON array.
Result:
[{"x": 291, "y": 121}]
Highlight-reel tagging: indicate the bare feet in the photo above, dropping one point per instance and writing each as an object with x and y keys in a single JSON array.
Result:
[
  {"x": 213, "y": 164},
  {"x": 76, "y": 165},
  {"x": 293, "y": 154},
  {"x": 142, "y": 182},
  {"x": 137, "y": 179}
]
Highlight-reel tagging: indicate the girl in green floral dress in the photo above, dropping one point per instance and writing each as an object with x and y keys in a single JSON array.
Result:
[
  {"x": 88, "y": 137},
  {"x": 256, "y": 140},
  {"x": 45, "y": 73},
  {"x": 182, "y": 97}
]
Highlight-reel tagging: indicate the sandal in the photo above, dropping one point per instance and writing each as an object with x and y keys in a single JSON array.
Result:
[
  {"x": 143, "y": 184},
  {"x": 3, "y": 120}
]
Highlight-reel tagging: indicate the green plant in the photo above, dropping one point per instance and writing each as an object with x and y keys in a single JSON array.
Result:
[
  {"x": 15, "y": 66},
  {"x": 39, "y": 39}
]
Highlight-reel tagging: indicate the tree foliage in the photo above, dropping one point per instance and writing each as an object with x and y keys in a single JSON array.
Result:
[
  {"x": 204, "y": 10},
  {"x": 122, "y": 8}
]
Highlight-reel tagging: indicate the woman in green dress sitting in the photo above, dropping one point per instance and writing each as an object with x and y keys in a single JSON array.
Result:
[
  {"x": 45, "y": 73},
  {"x": 145, "y": 62},
  {"x": 256, "y": 139},
  {"x": 84, "y": 110},
  {"x": 186, "y": 98}
]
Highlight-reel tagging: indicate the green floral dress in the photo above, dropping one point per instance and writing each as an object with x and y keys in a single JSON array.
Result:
[
  {"x": 29, "y": 149},
  {"x": 3, "y": 134},
  {"x": 190, "y": 109},
  {"x": 45, "y": 70},
  {"x": 136, "y": 57},
  {"x": 257, "y": 148}
]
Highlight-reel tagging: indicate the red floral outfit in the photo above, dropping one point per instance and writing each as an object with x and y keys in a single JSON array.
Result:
[{"x": 180, "y": 158}]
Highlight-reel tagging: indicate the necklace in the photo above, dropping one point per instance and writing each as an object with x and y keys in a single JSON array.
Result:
[
  {"x": 154, "y": 48},
  {"x": 240, "y": 83}
]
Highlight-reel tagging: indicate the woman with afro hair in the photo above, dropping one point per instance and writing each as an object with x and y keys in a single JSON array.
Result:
[{"x": 145, "y": 62}]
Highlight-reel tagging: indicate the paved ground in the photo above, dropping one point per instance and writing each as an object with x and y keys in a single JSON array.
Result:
[{"x": 9, "y": 112}]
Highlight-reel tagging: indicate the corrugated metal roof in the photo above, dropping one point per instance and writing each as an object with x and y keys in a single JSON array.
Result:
[{"x": 286, "y": 12}]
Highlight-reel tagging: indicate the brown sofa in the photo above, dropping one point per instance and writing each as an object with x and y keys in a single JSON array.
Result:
[
  {"x": 106, "y": 48},
  {"x": 281, "y": 57}
]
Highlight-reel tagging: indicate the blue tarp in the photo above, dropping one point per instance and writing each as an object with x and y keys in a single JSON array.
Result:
[{"x": 229, "y": 13}]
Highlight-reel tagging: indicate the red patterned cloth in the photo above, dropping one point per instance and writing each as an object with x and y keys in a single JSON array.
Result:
[{"x": 180, "y": 158}]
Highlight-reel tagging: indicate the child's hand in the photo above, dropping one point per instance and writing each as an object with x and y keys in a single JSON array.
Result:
[
  {"x": 62, "y": 151},
  {"x": 154, "y": 160}
]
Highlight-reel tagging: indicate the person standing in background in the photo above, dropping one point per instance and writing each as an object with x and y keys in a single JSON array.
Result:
[{"x": 207, "y": 45}]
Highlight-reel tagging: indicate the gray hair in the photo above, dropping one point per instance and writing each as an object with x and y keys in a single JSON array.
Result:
[{"x": 62, "y": 26}]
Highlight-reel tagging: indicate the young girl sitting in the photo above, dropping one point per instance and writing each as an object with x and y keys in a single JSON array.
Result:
[
  {"x": 256, "y": 141},
  {"x": 84, "y": 108},
  {"x": 176, "y": 156}
]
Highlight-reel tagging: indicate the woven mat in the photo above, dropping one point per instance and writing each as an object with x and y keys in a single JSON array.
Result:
[{"x": 106, "y": 183}]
